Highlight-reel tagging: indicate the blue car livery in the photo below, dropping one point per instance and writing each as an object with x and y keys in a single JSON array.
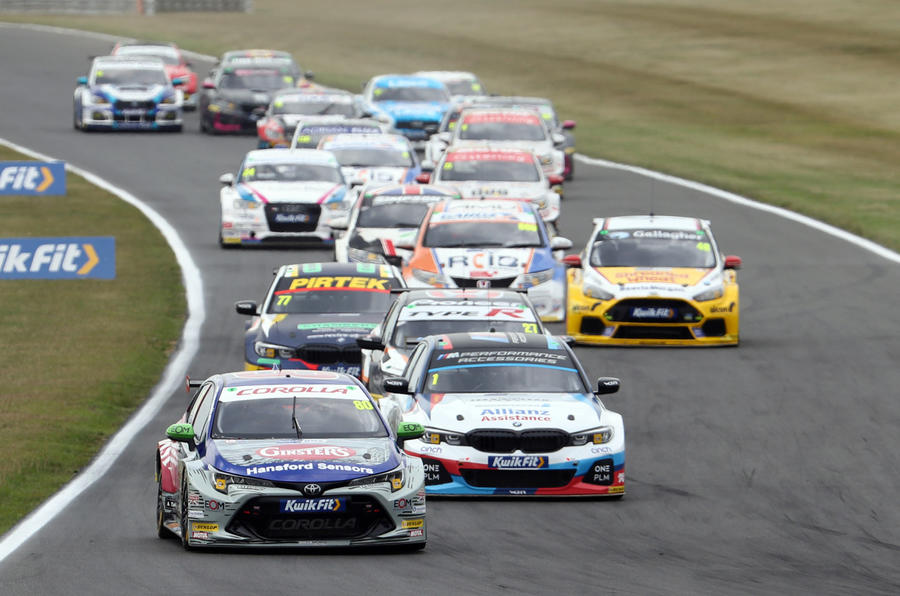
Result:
[{"x": 417, "y": 104}]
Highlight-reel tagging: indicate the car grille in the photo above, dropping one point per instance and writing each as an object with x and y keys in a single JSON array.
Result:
[
  {"x": 134, "y": 105},
  {"x": 292, "y": 217},
  {"x": 517, "y": 478},
  {"x": 327, "y": 354},
  {"x": 527, "y": 441},
  {"x": 251, "y": 108},
  {"x": 592, "y": 326},
  {"x": 653, "y": 310},
  {"x": 494, "y": 282},
  {"x": 653, "y": 332},
  {"x": 261, "y": 518}
]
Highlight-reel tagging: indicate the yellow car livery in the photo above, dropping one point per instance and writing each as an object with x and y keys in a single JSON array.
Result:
[{"x": 652, "y": 280}]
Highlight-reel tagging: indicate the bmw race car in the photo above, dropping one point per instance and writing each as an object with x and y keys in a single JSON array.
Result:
[
  {"x": 282, "y": 195},
  {"x": 175, "y": 64},
  {"x": 313, "y": 313},
  {"x": 383, "y": 218},
  {"x": 509, "y": 128},
  {"x": 310, "y": 130},
  {"x": 644, "y": 280},
  {"x": 416, "y": 314},
  {"x": 508, "y": 414},
  {"x": 288, "y": 459},
  {"x": 237, "y": 93},
  {"x": 489, "y": 172},
  {"x": 373, "y": 158},
  {"x": 290, "y": 106},
  {"x": 490, "y": 244},
  {"x": 127, "y": 93},
  {"x": 416, "y": 104},
  {"x": 458, "y": 82}
]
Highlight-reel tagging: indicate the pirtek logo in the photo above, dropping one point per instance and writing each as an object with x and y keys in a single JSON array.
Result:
[
  {"x": 49, "y": 258},
  {"x": 29, "y": 178}
]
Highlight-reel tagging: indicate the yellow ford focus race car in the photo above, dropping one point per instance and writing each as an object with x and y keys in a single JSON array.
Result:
[{"x": 652, "y": 280}]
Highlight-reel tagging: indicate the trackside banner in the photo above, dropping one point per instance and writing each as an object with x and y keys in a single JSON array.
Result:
[
  {"x": 58, "y": 258},
  {"x": 32, "y": 178}
]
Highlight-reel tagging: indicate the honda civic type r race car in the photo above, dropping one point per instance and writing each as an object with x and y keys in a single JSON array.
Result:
[
  {"x": 127, "y": 93},
  {"x": 313, "y": 313},
  {"x": 416, "y": 314},
  {"x": 288, "y": 459},
  {"x": 509, "y": 414},
  {"x": 385, "y": 217},
  {"x": 490, "y": 244},
  {"x": 282, "y": 195},
  {"x": 644, "y": 280},
  {"x": 488, "y": 172}
]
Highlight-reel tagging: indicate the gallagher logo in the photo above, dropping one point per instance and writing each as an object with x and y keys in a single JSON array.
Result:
[{"x": 305, "y": 452}]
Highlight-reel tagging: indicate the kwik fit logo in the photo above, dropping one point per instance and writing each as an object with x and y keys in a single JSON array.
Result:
[
  {"x": 58, "y": 258},
  {"x": 32, "y": 178}
]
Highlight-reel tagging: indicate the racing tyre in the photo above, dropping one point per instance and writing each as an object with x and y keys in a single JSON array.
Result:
[
  {"x": 183, "y": 516},
  {"x": 161, "y": 530}
]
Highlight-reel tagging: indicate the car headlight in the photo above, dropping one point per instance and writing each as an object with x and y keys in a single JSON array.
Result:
[
  {"x": 710, "y": 294},
  {"x": 429, "y": 277},
  {"x": 244, "y": 204},
  {"x": 267, "y": 350},
  {"x": 222, "y": 106},
  {"x": 546, "y": 160},
  {"x": 596, "y": 292},
  {"x": 99, "y": 100},
  {"x": 395, "y": 478},
  {"x": 529, "y": 280},
  {"x": 436, "y": 437},
  {"x": 359, "y": 255},
  {"x": 221, "y": 481},
  {"x": 597, "y": 436},
  {"x": 337, "y": 206},
  {"x": 169, "y": 99}
]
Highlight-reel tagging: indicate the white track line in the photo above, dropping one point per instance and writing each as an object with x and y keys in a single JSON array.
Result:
[
  {"x": 172, "y": 378},
  {"x": 744, "y": 201}
]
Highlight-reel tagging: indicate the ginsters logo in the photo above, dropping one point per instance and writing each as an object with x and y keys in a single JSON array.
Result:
[{"x": 305, "y": 452}]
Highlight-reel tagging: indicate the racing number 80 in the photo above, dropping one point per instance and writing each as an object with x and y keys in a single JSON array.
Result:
[{"x": 362, "y": 404}]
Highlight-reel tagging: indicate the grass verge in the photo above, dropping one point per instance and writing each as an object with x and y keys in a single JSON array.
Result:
[
  {"x": 80, "y": 355},
  {"x": 793, "y": 104}
]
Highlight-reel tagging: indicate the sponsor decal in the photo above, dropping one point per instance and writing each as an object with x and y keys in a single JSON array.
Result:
[
  {"x": 518, "y": 462},
  {"x": 358, "y": 283},
  {"x": 506, "y": 356},
  {"x": 32, "y": 178},
  {"x": 514, "y": 156},
  {"x": 601, "y": 472},
  {"x": 313, "y": 524},
  {"x": 326, "y": 505},
  {"x": 502, "y": 118},
  {"x": 414, "y": 533},
  {"x": 723, "y": 308},
  {"x": 669, "y": 234},
  {"x": 656, "y": 313},
  {"x": 204, "y": 527},
  {"x": 465, "y": 312},
  {"x": 431, "y": 449},
  {"x": 213, "y": 505},
  {"x": 601, "y": 450},
  {"x": 256, "y": 470},
  {"x": 681, "y": 277},
  {"x": 616, "y": 489},
  {"x": 350, "y": 325},
  {"x": 434, "y": 472},
  {"x": 269, "y": 390},
  {"x": 620, "y": 478},
  {"x": 194, "y": 499},
  {"x": 407, "y": 524},
  {"x": 195, "y": 514},
  {"x": 291, "y": 217},
  {"x": 312, "y": 489},
  {"x": 58, "y": 258},
  {"x": 200, "y": 535},
  {"x": 305, "y": 452}
]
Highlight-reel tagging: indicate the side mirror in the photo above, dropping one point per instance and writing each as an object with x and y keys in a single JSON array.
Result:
[
  {"x": 309, "y": 75},
  {"x": 568, "y": 124},
  {"x": 427, "y": 166},
  {"x": 409, "y": 430},
  {"x": 554, "y": 179},
  {"x": 340, "y": 223},
  {"x": 732, "y": 262},
  {"x": 558, "y": 139},
  {"x": 179, "y": 81},
  {"x": 407, "y": 244},
  {"x": 607, "y": 385},
  {"x": 246, "y": 307},
  {"x": 560, "y": 243},
  {"x": 572, "y": 260},
  {"x": 370, "y": 342},
  {"x": 208, "y": 84},
  {"x": 189, "y": 64},
  {"x": 226, "y": 179},
  {"x": 397, "y": 385},
  {"x": 395, "y": 260},
  {"x": 182, "y": 432},
  {"x": 82, "y": 81},
  {"x": 444, "y": 136},
  {"x": 424, "y": 178},
  {"x": 570, "y": 341}
]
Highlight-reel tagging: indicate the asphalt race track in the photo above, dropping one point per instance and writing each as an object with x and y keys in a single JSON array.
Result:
[{"x": 767, "y": 468}]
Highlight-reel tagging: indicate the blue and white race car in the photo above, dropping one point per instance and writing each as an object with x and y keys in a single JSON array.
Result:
[
  {"x": 508, "y": 414},
  {"x": 127, "y": 93},
  {"x": 416, "y": 104}
]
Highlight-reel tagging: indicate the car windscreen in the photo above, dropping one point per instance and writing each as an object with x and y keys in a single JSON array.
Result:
[
  {"x": 490, "y": 171},
  {"x": 482, "y": 233},
  {"x": 502, "y": 127},
  {"x": 123, "y": 76},
  {"x": 410, "y": 94},
  {"x": 331, "y": 294},
  {"x": 166, "y": 54},
  {"x": 372, "y": 156},
  {"x": 407, "y": 333},
  {"x": 503, "y": 370},
  {"x": 464, "y": 87},
  {"x": 255, "y": 78},
  {"x": 653, "y": 248},
  {"x": 306, "y": 107},
  {"x": 391, "y": 212},
  {"x": 290, "y": 172},
  {"x": 268, "y": 416}
]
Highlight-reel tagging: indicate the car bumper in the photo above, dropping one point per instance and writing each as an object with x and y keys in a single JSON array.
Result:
[
  {"x": 251, "y": 228},
  {"x": 154, "y": 119}
]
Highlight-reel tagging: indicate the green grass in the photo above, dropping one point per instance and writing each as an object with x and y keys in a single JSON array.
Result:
[
  {"x": 794, "y": 104},
  {"x": 79, "y": 355}
]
